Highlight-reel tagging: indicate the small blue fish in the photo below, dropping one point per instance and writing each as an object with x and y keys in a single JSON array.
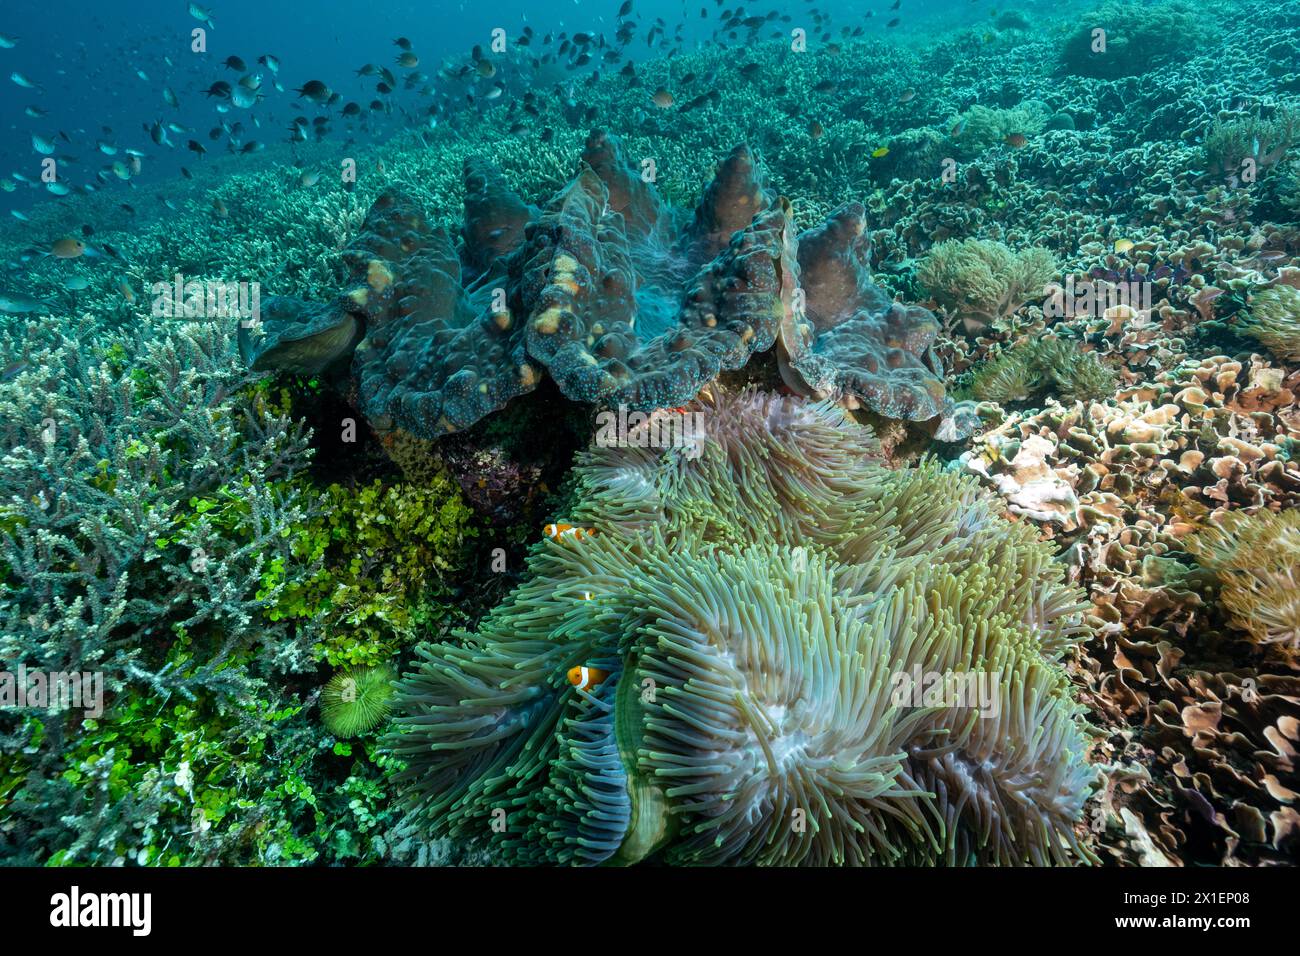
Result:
[
  {"x": 203, "y": 15},
  {"x": 13, "y": 370},
  {"x": 17, "y": 303}
]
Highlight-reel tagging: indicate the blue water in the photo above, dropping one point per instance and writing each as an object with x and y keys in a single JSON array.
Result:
[{"x": 87, "y": 59}]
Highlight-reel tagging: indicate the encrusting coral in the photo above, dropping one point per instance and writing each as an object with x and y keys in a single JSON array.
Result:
[
  {"x": 620, "y": 297},
  {"x": 746, "y": 618}
]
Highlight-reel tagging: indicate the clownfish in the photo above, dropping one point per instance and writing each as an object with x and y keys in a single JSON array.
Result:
[
  {"x": 557, "y": 531},
  {"x": 587, "y": 678}
]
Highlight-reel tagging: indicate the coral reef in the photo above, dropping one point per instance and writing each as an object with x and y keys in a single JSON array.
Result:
[
  {"x": 1132, "y": 41},
  {"x": 621, "y": 298},
  {"x": 211, "y": 749},
  {"x": 745, "y": 618}
]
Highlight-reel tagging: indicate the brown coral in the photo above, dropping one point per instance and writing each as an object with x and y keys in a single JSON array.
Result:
[{"x": 1202, "y": 726}]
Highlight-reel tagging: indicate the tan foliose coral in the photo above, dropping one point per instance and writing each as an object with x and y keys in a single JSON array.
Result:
[
  {"x": 1175, "y": 505},
  {"x": 618, "y": 296},
  {"x": 1221, "y": 432}
]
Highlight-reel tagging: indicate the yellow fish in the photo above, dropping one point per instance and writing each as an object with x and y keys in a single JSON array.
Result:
[
  {"x": 1123, "y": 245},
  {"x": 67, "y": 248},
  {"x": 558, "y": 531},
  {"x": 878, "y": 153},
  {"x": 587, "y": 678}
]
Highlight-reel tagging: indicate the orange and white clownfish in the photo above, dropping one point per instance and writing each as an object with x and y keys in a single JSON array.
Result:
[
  {"x": 587, "y": 678},
  {"x": 557, "y": 531}
]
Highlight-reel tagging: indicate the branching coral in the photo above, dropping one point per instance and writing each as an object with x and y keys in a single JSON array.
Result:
[
  {"x": 613, "y": 293},
  {"x": 149, "y": 496},
  {"x": 1040, "y": 367},
  {"x": 131, "y": 517},
  {"x": 983, "y": 280},
  {"x": 1257, "y": 559},
  {"x": 1274, "y": 320},
  {"x": 748, "y": 617}
]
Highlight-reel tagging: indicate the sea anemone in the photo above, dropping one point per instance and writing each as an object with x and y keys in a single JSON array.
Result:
[
  {"x": 1274, "y": 321},
  {"x": 1039, "y": 367},
  {"x": 753, "y": 607},
  {"x": 1257, "y": 560},
  {"x": 983, "y": 281},
  {"x": 1005, "y": 379},
  {"x": 357, "y": 699}
]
